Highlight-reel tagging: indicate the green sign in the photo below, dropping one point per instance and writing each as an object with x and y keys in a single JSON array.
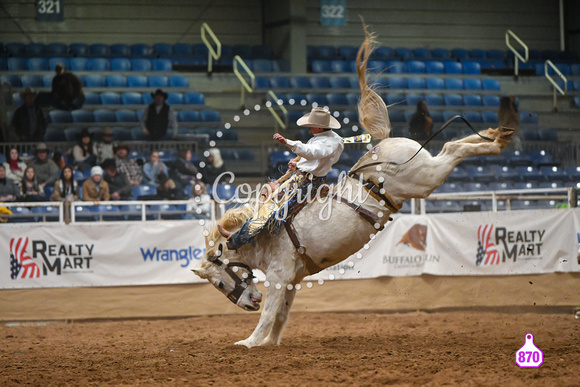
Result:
[
  {"x": 333, "y": 12},
  {"x": 49, "y": 10}
]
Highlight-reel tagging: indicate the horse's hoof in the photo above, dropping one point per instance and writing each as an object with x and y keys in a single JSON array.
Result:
[
  {"x": 505, "y": 132},
  {"x": 246, "y": 343}
]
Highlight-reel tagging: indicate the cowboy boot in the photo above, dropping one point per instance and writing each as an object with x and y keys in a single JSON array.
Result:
[{"x": 228, "y": 235}]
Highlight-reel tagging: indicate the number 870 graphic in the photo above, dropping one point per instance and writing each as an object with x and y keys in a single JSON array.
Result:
[{"x": 529, "y": 356}]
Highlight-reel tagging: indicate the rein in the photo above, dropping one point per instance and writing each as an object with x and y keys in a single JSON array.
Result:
[{"x": 241, "y": 284}]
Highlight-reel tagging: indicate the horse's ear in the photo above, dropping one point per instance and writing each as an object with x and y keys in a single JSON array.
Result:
[{"x": 200, "y": 272}]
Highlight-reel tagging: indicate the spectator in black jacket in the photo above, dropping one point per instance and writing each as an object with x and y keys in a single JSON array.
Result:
[
  {"x": 9, "y": 192},
  {"x": 119, "y": 185},
  {"x": 28, "y": 121},
  {"x": 158, "y": 118},
  {"x": 182, "y": 171}
]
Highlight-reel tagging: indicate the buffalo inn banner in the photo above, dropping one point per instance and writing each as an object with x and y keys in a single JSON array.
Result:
[{"x": 148, "y": 253}]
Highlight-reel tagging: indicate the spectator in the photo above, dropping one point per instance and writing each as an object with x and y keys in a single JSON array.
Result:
[
  {"x": 421, "y": 123},
  {"x": 153, "y": 168},
  {"x": 9, "y": 192},
  {"x": 183, "y": 172},
  {"x": 127, "y": 166},
  {"x": 508, "y": 116},
  {"x": 96, "y": 189},
  {"x": 15, "y": 167},
  {"x": 119, "y": 185},
  {"x": 158, "y": 118},
  {"x": 167, "y": 189},
  {"x": 104, "y": 149},
  {"x": 84, "y": 154},
  {"x": 28, "y": 122},
  {"x": 66, "y": 188},
  {"x": 201, "y": 206},
  {"x": 214, "y": 166},
  {"x": 67, "y": 91},
  {"x": 46, "y": 170},
  {"x": 31, "y": 190}
]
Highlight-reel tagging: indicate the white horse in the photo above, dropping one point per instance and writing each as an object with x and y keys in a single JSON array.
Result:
[{"x": 328, "y": 231}]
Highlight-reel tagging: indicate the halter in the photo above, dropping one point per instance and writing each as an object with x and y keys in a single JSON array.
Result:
[{"x": 241, "y": 284}]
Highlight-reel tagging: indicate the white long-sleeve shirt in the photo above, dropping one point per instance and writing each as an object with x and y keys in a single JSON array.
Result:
[{"x": 319, "y": 154}]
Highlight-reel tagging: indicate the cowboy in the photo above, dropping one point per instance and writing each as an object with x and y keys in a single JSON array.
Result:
[
  {"x": 104, "y": 149},
  {"x": 158, "y": 117},
  {"x": 315, "y": 159},
  {"x": 28, "y": 121},
  {"x": 46, "y": 170}
]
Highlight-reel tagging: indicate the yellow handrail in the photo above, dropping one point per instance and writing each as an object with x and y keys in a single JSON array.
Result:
[
  {"x": 517, "y": 55},
  {"x": 269, "y": 104},
  {"x": 548, "y": 63},
  {"x": 212, "y": 54},
  {"x": 245, "y": 85}
]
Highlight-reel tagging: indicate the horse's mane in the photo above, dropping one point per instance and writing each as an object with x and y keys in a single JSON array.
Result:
[
  {"x": 232, "y": 220},
  {"x": 372, "y": 110}
]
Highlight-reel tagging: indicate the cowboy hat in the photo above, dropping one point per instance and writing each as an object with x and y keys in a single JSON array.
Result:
[
  {"x": 41, "y": 147},
  {"x": 318, "y": 118},
  {"x": 27, "y": 91},
  {"x": 107, "y": 132},
  {"x": 159, "y": 92}
]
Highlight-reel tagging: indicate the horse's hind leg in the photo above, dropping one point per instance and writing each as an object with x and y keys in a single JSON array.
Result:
[
  {"x": 281, "y": 319},
  {"x": 475, "y": 145}
]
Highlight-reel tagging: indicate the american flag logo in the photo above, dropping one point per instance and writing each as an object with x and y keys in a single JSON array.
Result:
[
  {"x": 21, "y": 264},
  {"x": 487, "y": 252}
]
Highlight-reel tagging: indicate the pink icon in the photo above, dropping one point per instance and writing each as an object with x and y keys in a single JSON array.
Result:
[{"x": 529, "y": 356}]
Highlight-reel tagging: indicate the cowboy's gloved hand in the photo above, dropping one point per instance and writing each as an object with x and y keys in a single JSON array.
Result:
[
  {"x": 292, "y": 165},
  {"x": 280, "y": 138}
]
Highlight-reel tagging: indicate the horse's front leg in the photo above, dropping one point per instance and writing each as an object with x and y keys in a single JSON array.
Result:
[
  {"x": 281, "y": 318},
  {"x": 274, "y": 301}
]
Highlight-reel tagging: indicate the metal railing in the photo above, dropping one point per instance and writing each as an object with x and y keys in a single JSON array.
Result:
[
  {"x": 272, "y": 104},
  {"x": 212, "y": 54},
  {"x": 246, "y": 86},
  {"x": 517, "y": 55},
  {"x": 557, "y": 89}
]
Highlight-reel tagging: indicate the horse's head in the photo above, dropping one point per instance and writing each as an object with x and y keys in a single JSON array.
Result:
[{"x": 231, "y": 277}]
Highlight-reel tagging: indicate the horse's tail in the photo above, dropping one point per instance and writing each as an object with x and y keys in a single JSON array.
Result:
[{"x": 372, "y": 110}]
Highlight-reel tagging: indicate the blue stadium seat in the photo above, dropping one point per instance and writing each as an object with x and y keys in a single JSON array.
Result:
[
  {"x": 54, "y": 135},
  {"x": 422, "y": 53},
  {"x": 413, "y": 99},
  {"x": 98, "y": 64},
  {"x": 209, "y": 116},
  {"x": 141, "y": 64},
  {"x": 161, "y": 65},
  {"x": 82, "y": 115},
  {"x": 508, "y": 173},
  {"x": 440, "y": 53},
  {"x": 45, "y": 214},
  {"x": 528, "y": 174},
  {"x": 383, "y": 53},
  {"x": 573, "y": 174},
  {"x": 347, "y": 52},
  {"x": 339, "y": 82},
  {"x": 125, "y": 115},
  {"x": 397, "y": 83},
  {"x": 319, "y": 82},
  {"x": 396, "y": 67},
  {"x": 352, "y": 98},
  {"x": 188, "y": 116},
  {"x": 98, "y": 49},
  {"x": 15, "y": 49},
  {"x": 56, "y": 49},
  {"x": 141, "y": 49},
  {"x": 279, "y": 82},
  {"x": 336, "y": 99},
  {"x": 12, "y": 79},
  {"x": 517, "y": 158},
  {"x": 453, "y": 100},
  {"x": 72, "y": 135},
  {"x": 449, "y": 114},
  {"x": 120, "y": 50},
  {"x": 157, "y": 81},
  {"x": 19, "y": 215},
  {"x": 434, "y": 100},
  {"x": 404, "y": 53},
  {"x": 434, "y": 83},
  {"x": 79, "y": 49},
  {"x": 320, "y": 99},
  {"x": 528, "y": 118},
  {"x": 472, "y": 100},
  {"x": 104, "y": 115},
  {"x": 120, "y": 64},
  {"x": 576, "y": 102},
  {"x": 394, "y": 98},
  {"x": 553, "y": 173},
  {"x": 184, "y": 49},
  {"x": 416, "y": 83},
  {"x": 472, "y": 84},
  {"x": 477, "y": 54},
  {"x": 490, "y": 84},
  {"x": 341, "y": 66},
  {"x": 416, "y": 67},
  {"x": 137, "y": 81},
  {"x": 60, "y": 116},
  {"x": 107, "y": 212},
  {"x": 547, "y": 134},
  {"x": 452, "y": 67},
  {"x": 501, "y": 186},
  {"x": 164, "y": 49},
  {"x": 17, "y": 64},
  {"x": 472, "y": 116},
  {"x": 177, "y": 81},
  {"x": 542, "y": 158},
  {"x": 122, "y": 134},
  {"x": 116, "y": 81},
  {"x": 489, "y": 117},
  {"x": 110, "y": 98},
  {"x": 460, "y": 53},
  {"x": 78, "y": 64},
  {"x": 495, "y": 54},
  {"x": 377, "y": 66},
  {"x": 262, "y": 66},
  {"x": 95, "y": 80},
  {"x": 435, "y": 67},
  {"x": 476, "y": 185},
  {"x": 449, "y": 188},
  {"x": 453, "y": 84},
  {"x": 193, "y": 99},
  {"x": 490, "y": 100},
  {"x": 458, "y": 174},
  {"x": 37, "y": 64},
  {"x": 300, "y": 82},
  {"x": 174, "y": 98},
  {"x": 397, "y": 116},
  {"x": 32, "y": 80},
  {"x": 52, "y": 62}
]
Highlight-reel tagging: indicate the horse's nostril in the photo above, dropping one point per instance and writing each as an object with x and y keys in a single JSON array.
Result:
[{"x": 256, "y": 297}]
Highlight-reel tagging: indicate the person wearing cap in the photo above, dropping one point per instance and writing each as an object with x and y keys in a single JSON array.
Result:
[
  {"x": 315, "y": 159},
  {"x": 28, "y": 121},
  {"x": 119, "y": 185},
  {"x": 105, "y": 149},
  {"x": 46, "y": 169},
  {"x": 96, "y": 189},
  {"x": 127, "y": 166},
  {"x": 158, "y": 118},
  {"x": 84, "y": 152}
]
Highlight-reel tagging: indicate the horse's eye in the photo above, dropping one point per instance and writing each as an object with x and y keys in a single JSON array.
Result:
[{"x": 221, "y": 285}]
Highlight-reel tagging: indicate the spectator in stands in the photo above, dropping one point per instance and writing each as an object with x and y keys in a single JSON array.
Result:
[
  {"x": 183, "y": 172},
  {"x": 96, "y": 189},
  {"x": 46, "y": 170},
  {"x": 214, "y": 166},
  {"x": 9, "y": 192},
  {"x": 31, "y": 190},
  {"x": 421, "y": 123},
  {"x": 153, "y": 168},
  {"x": 58, "y": 160},
  {"x": 158, "y": 118},
  {"x": 28, "y": 122},
  {"x": 508, "y": 116},
  {"x": 104, "y": 149},
  {"x": 66, "y": 188},
  {"x": 15, "y": 167},
  {"x": 167, "y": 189},
  {"x": 67, "y": 90},
  {"x": 84, "y": 154},
  {"x": 119, "y": 185},
  {"x": 201, "y": 206},
  {"x": 127, "y": 166}
]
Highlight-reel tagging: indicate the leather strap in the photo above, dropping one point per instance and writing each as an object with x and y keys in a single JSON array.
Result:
[
  {"x": 312, "y": 267},
  {"x": 375, "y": 191},
  {"x": 367, "y": 215}
]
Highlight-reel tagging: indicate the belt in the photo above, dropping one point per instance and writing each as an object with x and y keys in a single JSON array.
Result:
[{"x": 298, "y": 171}]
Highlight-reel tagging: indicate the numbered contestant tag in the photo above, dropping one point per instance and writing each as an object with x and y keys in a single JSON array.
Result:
[{"x": 529, "y": 356}]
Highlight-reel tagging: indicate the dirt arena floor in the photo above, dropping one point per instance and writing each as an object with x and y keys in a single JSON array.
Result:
[{"x": 417, "y": 348}]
